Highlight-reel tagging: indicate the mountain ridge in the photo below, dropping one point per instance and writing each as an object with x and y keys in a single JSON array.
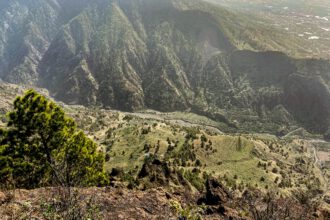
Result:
[{"x": 172, "y": 55}]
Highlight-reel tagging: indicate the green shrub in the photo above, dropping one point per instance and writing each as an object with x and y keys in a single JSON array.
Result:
[
  {"x": 198, "y": 163},
  {"x": 203, "y": 138},
  {"x": 191, "y": 133},
  {"x": 194, "y": 179}
]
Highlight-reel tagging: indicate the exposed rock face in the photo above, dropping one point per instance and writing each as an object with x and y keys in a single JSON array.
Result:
[
  {"x": 217, "y": 198},
  {"x": 216, "y": 194},
  {"x": 166, "y": 55}
]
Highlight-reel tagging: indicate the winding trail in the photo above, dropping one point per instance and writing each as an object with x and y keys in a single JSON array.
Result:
[
  {"x": 318, "y": 164},
  {"x": 316, "y": 159}
]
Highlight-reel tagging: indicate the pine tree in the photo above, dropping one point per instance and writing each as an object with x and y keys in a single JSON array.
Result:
[
  {"x": 239, "y": 145},
  {"x": 41, "y": 147}
]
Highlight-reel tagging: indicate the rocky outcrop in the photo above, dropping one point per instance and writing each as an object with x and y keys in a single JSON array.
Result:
[{"x": 216, "y": 197}]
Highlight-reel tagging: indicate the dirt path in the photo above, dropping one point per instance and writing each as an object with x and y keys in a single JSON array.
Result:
[
  {"x": 316, "y": 159},
  {"x": 311, "y": 144},
  {"x": 180, "y": 122}
]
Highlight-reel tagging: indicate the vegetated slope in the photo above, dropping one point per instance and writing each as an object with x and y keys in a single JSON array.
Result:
[
  {"x": 170, "y": 55},
  {"x": 143, "y": 153},
  {"x": 241, "y": 161}
]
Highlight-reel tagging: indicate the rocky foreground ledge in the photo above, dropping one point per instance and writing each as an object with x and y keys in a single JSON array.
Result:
[
  {"x": 97, "y": 203},
  {"x": 117, "y": 203},
  {"x": 157, "y": 203}
]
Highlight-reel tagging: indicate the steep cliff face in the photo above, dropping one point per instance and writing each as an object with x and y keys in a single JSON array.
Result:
[
  {"x": 273, "y": 81},
  {"x": 131, "y": 54},
  {"x": 166, "y": 55},
  {"x": 27, "y": 28}
]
